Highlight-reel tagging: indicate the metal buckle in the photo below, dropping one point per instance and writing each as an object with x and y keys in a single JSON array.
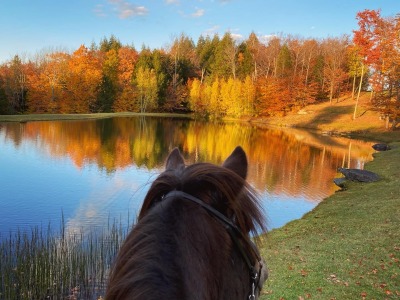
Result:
[{"x": 252, "y": 296}]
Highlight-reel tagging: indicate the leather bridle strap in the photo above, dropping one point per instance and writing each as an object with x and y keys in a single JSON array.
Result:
[{"x": 232, "y": 229}]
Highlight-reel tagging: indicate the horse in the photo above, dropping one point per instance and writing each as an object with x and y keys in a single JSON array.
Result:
[{"x": 192, "y": 238}]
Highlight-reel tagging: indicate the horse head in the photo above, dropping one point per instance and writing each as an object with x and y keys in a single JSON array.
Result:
[{"x": 192, "y": 238}]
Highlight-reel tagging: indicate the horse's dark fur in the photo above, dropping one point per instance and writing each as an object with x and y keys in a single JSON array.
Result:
[{"x": 178, "y": 250}]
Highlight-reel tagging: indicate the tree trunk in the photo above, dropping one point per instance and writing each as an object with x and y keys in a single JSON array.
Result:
[
  {"x": 203, "y": 71},
  {"x": 354, "y": 87},
  {"x": 359, "y": 91},
  {"x": 331, "y": 92}
]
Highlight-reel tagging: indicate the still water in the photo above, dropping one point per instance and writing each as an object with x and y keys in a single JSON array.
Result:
[{"x": 91, "y": 172}]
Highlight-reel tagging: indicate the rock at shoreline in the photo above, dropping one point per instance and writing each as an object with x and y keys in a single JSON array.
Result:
[
  {"x": 340, "y": 182},
  {"x": 381, "y": 147},
  {"x": 359, "y": 175}
]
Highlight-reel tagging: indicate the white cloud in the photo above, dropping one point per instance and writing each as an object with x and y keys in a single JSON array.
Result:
[
  {"x": 237, "y": 36},
  {"x": 172, "y": 2},
  {"x": 127, "y": 10},
  {"x": 198, "y": 13},
  {"x": 266, "y": 38}
]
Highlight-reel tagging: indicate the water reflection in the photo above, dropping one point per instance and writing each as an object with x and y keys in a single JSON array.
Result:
[{"x": 104, "y": 166}]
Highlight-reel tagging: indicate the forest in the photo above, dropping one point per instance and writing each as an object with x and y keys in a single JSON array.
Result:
[{"x": 215, "y": 77}]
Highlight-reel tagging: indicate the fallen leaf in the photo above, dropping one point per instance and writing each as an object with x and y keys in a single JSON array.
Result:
[{"x": 303, "y": 273}]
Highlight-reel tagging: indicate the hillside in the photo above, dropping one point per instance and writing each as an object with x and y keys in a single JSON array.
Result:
[{"x": 337, "y": 118}]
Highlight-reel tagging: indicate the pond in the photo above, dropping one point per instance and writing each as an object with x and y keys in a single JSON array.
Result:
[{"x": 86, "y": 173}]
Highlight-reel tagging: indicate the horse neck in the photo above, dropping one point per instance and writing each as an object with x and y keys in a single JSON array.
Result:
[{"x": 184, "y": 253}]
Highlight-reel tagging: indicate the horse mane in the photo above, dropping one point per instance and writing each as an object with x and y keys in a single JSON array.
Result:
[{"x": 176, "y": 240}]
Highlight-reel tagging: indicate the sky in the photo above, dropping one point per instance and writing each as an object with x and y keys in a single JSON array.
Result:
[{"x": 28, "y": 27}]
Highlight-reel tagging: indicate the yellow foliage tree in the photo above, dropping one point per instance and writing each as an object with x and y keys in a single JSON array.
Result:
[
  {"x": 195, "y": 101},
  {"x": 146, "y": 81},
  {"x": 248, "y": 96}
]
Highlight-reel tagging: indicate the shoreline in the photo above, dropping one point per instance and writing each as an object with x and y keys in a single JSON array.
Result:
[
  {"x": 346, "y": 247},
  {"x": 77, "y": 117}
]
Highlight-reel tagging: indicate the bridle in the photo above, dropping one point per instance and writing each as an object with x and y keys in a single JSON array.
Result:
[{"x": 235, "y": 233}]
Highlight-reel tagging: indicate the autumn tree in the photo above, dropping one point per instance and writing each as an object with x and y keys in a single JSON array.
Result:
[
  {"x": 185, "y": 65},
  {"x": 126, "y": 93},
  {"x": 15, "y": 84},
  {"x": 146, "y": 84},
  {"x": 82, "y": 82},
  {"x": 378, "y": 40},
  {"x": 160, "y": 63},
  {"x": 196, "y": 103},
  {"x": 334, "y": 51},
  {"x": 248, "y": 96},
  {"x": 47, "y": 82}
]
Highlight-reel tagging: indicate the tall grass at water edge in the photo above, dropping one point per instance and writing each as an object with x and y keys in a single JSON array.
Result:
[{"x": 40, "y": 263}]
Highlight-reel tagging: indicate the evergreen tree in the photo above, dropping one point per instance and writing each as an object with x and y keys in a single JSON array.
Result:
[{"x": 245, "y": 61}]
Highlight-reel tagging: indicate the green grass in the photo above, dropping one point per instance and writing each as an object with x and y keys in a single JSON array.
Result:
[{"x": 348, "y": 247}]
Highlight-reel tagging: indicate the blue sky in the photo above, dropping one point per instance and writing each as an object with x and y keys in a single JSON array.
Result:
[{"x": 29, "y": 26}]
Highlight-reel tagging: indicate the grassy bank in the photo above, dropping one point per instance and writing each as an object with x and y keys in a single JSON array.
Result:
[
  {"x": 65, "y": 117},
  {"x": 348, "y": 247}
]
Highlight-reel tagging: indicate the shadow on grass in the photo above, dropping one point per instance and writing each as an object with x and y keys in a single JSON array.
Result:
[{"x": 328, "y": 115}]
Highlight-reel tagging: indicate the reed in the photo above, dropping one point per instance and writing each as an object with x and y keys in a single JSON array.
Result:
[{"x": 41, "y": 263}]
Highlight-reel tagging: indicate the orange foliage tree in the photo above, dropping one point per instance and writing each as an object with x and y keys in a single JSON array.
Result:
[
  {"x": 378, "y": 41},
  {"x": 82, "y": 82},
  {"x": 126, "y": 91},
  {"x": 47, "y": 82}
]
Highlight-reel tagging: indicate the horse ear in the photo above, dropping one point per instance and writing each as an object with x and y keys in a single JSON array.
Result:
[
  {"x": 237, "y": 162},
  {"x": 175, "y": 160}
]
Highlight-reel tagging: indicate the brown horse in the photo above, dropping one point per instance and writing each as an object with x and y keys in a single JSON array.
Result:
[{"x": 192, "y": 239}]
